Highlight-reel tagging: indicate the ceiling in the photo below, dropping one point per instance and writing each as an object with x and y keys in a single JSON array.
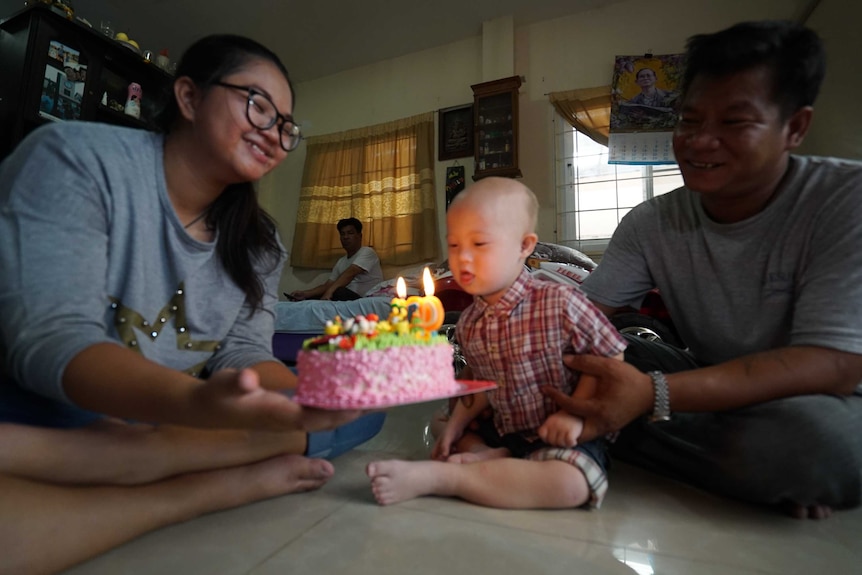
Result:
[{"x": 316, "y": 38}]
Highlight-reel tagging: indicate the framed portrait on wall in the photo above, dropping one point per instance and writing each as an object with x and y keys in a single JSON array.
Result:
[{"x": 455, "y": 132}]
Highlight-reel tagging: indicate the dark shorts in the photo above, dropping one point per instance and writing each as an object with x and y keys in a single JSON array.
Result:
[
  {"x": 21, "y": 406},
  {"x": 590, "y": 457},
  {"x": 521, "y": 447}
]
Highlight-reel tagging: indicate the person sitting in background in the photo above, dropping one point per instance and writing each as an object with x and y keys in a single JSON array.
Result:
[
  {"x": 354, "y": 274},
  {"x": 757, "y": 259},
  {"x": 144, "y": 391}
]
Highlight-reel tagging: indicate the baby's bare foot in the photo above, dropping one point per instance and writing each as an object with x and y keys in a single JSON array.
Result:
[{"x": 394, "y": 481}]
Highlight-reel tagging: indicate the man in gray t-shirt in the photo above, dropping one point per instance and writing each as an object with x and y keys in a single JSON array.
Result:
[{"x": 757, "y": 259}]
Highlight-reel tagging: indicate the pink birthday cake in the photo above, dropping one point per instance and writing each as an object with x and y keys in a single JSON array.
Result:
[{"x": 365, "y": 363}]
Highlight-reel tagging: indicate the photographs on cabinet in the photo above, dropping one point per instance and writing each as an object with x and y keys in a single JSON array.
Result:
[
  {"x": 455, "y": 132},
  {"x": 63, "y": 83}
]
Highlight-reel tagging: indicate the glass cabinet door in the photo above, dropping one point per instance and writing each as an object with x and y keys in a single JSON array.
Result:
[{"x": 496, "y": 118}]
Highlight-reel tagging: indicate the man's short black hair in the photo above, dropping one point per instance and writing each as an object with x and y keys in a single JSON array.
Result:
[
  {"x": 792, "y": 53},
  {"x": 357, "y": 225}
]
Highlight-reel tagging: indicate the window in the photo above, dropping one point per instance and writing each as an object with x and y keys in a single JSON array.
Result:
[
  {"x": 592, "y": 195},
  {"x": 382, "y": 175}
]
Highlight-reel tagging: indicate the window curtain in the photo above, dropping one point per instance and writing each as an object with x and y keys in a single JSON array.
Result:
[
  {"x": 382, "y": 175},
  {"x": 588, "y": 110}
]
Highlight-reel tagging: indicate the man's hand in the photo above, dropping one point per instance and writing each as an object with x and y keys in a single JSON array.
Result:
[
  {"x": 622, "y": 395},
  {"x": 299, "y": 295}
]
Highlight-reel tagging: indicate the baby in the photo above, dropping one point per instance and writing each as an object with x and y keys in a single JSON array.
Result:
[{"x": 515, "y": 333}]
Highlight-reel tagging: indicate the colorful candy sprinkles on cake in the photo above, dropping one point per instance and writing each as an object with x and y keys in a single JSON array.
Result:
[{"x": 368, "y": 332}]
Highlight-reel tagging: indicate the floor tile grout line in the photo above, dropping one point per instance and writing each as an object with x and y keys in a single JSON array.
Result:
[{"x": 298, "y": 536}]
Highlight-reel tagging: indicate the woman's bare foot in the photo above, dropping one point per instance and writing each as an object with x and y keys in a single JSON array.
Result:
[
  {"x": 394, "y": 481},
  {"x": 208, "y": 491},
  {"x": 284, "y": 474},
  {"x": 799, "y": 511},
  {"x": 480, "y": 455}
]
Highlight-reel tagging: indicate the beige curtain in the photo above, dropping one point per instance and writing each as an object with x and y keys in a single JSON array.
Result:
[
  {"x": 588, "y": 110},
  {"x": 382, "y": 175}
]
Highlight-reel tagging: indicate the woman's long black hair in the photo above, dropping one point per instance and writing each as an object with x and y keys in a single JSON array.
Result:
[{"x": 247, "y": 235}]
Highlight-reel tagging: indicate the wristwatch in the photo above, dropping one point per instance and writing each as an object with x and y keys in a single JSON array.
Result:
[{"x": 661, "y": 403}]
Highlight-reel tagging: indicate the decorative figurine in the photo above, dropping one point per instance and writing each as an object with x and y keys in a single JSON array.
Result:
[{"x": 133, "y": 103}]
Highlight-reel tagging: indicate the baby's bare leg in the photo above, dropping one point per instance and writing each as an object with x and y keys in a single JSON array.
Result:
[
  {"x": 115, "y": 452},
  {"x": 48, "y": 527},
  {"x": 472, "y": 448},
  {"x": 504, "y": 483},
  {"x": 479, "y": 454}
]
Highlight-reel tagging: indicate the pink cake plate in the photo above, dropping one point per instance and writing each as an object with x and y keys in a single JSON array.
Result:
[{"x": 466, "y": 387}]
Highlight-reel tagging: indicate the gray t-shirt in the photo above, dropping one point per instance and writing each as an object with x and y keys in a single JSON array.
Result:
[
  {"x": 92, "y": 252},
  {"x": 787, "y": 276}
]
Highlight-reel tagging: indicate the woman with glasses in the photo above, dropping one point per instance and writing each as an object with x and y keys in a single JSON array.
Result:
[{"x": 137, "y": 283}]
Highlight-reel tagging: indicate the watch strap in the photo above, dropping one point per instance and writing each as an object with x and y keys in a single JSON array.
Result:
[{"x": 661, "y": 402}]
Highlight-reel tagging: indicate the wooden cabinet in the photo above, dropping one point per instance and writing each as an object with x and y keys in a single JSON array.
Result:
[
  {"x": 495, "y": 114},
  {"x": 56, "y": 69}
]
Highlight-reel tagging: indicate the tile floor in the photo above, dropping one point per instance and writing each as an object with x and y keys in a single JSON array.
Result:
[{"x": 647, "y": 525}]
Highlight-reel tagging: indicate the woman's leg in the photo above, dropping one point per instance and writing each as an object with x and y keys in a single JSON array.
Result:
[
  {"x": 48, "y": 527},
  {"x": 118, "y": 453}
]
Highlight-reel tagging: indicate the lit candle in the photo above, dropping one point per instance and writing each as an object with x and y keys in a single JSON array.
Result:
[
  {"x": 430, "y": 311},
  {"x": 399, "y": 304}
]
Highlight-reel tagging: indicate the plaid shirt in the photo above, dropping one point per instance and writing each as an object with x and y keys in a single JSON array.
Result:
[{"x": 519, "y": 343}]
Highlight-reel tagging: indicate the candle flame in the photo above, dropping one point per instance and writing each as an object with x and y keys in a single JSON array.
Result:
[
  {"x": 427, "y": 282},
  {"x": 401, "y": 288}
]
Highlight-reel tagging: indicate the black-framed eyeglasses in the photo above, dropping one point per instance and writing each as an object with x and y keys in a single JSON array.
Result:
[{"x": 263, "y": 115}]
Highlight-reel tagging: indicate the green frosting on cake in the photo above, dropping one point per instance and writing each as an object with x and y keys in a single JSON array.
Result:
[{"x": 377, "y": 341}]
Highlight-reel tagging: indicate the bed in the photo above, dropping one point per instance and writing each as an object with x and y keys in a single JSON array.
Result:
[{"x": 297, "y": 321}]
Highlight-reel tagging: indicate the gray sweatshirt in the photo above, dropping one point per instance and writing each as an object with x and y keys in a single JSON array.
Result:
[{"x": 91, "y": 251}]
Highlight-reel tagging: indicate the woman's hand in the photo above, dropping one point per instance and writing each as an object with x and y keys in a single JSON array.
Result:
[
  {"x": 235, "y": 398},
  {"x": 622, "y": 394}
]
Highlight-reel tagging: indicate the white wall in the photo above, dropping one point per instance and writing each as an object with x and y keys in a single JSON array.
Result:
[
  {"x": 561, "y": 54},
  {"x": 837, "y": 128}
]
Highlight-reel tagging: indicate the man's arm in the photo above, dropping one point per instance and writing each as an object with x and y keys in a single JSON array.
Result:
[
  {"x": 312, "y": 293},
  {"x": 624, "y": 393},
  {"x": 341, "y": 281},
  {"x": 784, "y": 372}
]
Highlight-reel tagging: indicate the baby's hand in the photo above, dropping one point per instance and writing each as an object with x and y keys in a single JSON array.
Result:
[
  {"x": 443, "y": 446},
  {"x": 561, "y": 429}
]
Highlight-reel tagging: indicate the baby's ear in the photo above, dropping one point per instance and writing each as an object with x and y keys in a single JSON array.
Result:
[{"x": 528, "y": 244}]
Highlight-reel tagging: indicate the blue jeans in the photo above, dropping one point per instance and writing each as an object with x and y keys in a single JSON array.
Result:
[{"x": 18, "y": 405}]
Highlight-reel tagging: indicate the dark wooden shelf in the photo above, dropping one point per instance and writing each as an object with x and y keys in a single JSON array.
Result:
[
  {"x": 41, "y": 51},
  {"x": 495, "y": 110}
]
